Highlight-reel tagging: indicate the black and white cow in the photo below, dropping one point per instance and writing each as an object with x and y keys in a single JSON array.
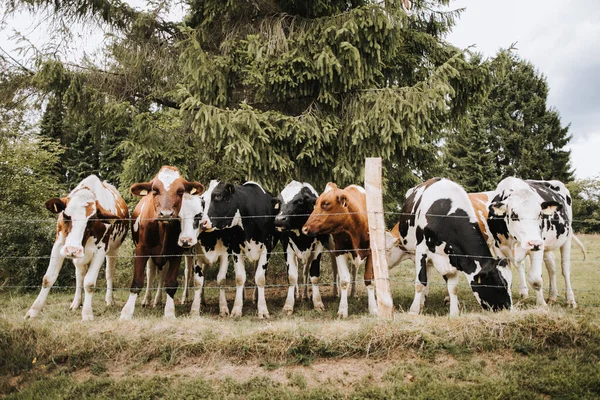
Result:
[
  {"x": 438, "y": 224},
  {"x": 532, "y": 218},
  {"x": 295, "y": 203},
  {"x": 208, "y": 247},
  {"x": 249, "y": 208}
]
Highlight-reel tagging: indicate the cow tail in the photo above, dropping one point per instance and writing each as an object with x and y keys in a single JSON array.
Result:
[{"x": 581, "y": 246}]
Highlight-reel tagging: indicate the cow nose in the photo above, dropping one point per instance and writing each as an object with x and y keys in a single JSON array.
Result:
[
  {"x": 186, "y": 242},
  {"x": 535, "y": 245},
  {"x": 166, "y": 213},
  {"x": 205, "y": 224},
  {"x": 280, "y": 220},
  {"x": 73, "y": 251}
]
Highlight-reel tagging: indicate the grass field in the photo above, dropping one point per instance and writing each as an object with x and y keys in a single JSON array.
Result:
[{"x": 526, "y": 353}]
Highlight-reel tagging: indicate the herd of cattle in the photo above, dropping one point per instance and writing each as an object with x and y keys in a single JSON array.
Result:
[{"x": 440, "y": 225}]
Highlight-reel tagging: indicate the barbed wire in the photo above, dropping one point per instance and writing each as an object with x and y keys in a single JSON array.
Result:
[
  {"x": 284, "y": 285},
  {"x": 53, "y": 220}
]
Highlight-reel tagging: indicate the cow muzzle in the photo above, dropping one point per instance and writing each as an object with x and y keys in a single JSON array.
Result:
[
  {"x": 308, "y": 232},
  {"x": 187, "y": 242},
  {"x": 72, "y": 251},
  {"x": 166, "y": 213},
  {"x": 206, "y": 225},
  {"x": 535, "y": 245},
  {"x": 282, "y": 222}
]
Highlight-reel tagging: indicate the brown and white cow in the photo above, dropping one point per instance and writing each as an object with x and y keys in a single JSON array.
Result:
[
  {"x": 155, "y": 232},
  {"x": 343, "y": 214},
  {"x": 92, "y": 223}
]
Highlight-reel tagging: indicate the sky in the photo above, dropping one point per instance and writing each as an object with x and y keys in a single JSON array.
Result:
[{"x": 559, "y": 37}]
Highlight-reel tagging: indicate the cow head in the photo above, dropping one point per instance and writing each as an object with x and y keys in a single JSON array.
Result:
[
  {"x": 80, "y": 215},
  {"x": 522, "y": 213},
  {"x": 220, "y": 208},
  {"x": 190, "y": 214},
  {"x": 492, "y": 284},
  {"x": 330, "y": 213},
  {"x": 295, "y": 203},
  {"x": 167, "y": 190}
]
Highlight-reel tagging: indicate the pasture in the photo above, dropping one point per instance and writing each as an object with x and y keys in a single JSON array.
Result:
[{"x": 526, "y": 353}]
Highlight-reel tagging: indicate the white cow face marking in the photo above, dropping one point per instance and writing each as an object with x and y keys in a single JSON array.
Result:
[
  {"x": 191, "y": 211},
  {"x": 81, "y": 206}
]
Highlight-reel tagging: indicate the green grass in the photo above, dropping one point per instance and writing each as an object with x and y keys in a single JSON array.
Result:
[{"x": 527, "y": 353}]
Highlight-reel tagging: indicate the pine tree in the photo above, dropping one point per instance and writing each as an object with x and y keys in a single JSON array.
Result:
[{"x": 512, "y": 133}]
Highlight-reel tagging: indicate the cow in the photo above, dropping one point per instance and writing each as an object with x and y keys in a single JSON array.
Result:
[
  {"x": 438, "y": 224},
  {"x": 207, "y": 247},
  {"x": 155, "y": 231},
  {"x": 532, "y": 218},
  {"x": 249, "y": 210},
  {"x": 342, "y": 213},
  {"x": 295, "y": 203},
  {"x": 92, "y": 223}
]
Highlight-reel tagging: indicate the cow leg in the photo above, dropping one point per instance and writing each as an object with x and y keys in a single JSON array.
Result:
[
  {"x": 136, "y": 285},
  {"x": 535, "y": 276},
  {"x": 334, "y": 269},
  {"x": 260, "y": 280},
  {"x": 240, "y": 281},
  {"x": 565, "y": 263},
  {"x": 420, "y": 282},
  {"x": 551, "y": 267},
  {"x": 187, "y": 274},
  {"x": 198, "y": 271},
  {"x": 354, "y": 283},
  {"x": 452, "y": 285},
  {"x": 315, "y": 274},
  {"x": 306, "y": 276},
  {"x": 523, "y": 290},
  {"x": 221, "y": 280},
  {"x": 89, "y": 283},
  {"x": 170, "y": 282},
  {"x": 150, "y": 273},
  {"x": 344, "y": 273},
  {"x": 111, "y": 266},
  {"x": 292, "y": 267},
  {"x": 79, "y": 272},
  {"x": 159, "y": 288},
  {"x": 369, "y": 276},
  {"x": 56, "y": 261}
]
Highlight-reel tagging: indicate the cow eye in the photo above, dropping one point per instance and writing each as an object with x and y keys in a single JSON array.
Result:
[
  {"x": 180, "y": 192},
  {"x": 514, "y": 217},
  {"x": 156, "y": 191},
  {"x": 218, "y": 197},
  {"x": 300, "y": 202}
]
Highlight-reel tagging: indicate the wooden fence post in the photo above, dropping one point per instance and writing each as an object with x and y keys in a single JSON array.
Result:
[{"x": 377, "y": 236}]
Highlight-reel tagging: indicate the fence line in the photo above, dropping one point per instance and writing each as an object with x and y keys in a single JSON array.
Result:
[
  {"x": 280, "y": 285},
  {"x": 53, "y": 220}
]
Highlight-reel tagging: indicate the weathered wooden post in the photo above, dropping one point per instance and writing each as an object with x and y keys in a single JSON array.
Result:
[{"x": 377, "y": 236}]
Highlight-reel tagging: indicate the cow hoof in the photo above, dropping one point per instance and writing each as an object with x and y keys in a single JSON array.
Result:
[
  {"x": 31, "y": 314},
  {"x": 224, "y": 313},
  {"x": 289, "y": 310},
  {"x": 319, "y": 307},
  {"x": 572, "y": 304},
  {"x": 74, "y": 306},
  {"x": 524, "y": 295},
  {"x": 110, "y": 303},
  {"x": 87, "y": 317},
  {"x": 236, "y": 312},
  {"x": 126, "y": 317},
  {"x": 144, "y": 305},
  {"x": 551, "y": 300},
  {"x": 342, "y": 314},
  {"x": 446, "y": 301}
]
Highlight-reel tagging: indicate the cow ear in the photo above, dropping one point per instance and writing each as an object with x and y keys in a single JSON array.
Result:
[
  {"x": 141, "y": 189},
  {"x": 195, "y": 188},
  {"x": 343, "y": 200},
  {"x": 330, "y": 186},
  {"x": 229, "y": 188},
  {"x": 550, "y": 207},
  {"x": 103, "y": 214},
  {"x": 275, "y": 203},
  {"x": 497, "y": 209},
  {"x": 55, "y": 205}
]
